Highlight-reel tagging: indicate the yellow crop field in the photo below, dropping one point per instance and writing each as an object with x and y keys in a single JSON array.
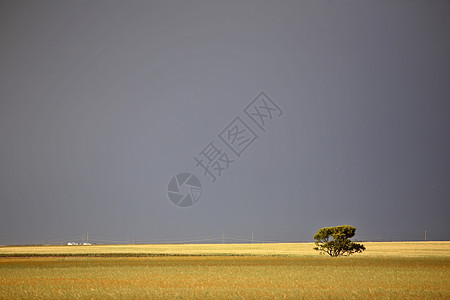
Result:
[{"x": 224, "y": 271}]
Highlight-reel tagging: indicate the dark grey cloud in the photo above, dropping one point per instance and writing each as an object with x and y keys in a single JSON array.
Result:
[{"x": 102, "y": 102}]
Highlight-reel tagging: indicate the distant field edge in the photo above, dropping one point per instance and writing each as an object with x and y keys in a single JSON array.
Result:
[
  {"x": 215, "y": 244},
  {"x": 111, "y": 255},
  {"x": 392, "y": 249}
]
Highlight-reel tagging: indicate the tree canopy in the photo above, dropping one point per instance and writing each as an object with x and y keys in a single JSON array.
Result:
[{"x": 335, "y": 241}]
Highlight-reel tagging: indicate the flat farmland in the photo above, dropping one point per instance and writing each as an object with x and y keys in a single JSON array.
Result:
[{"x": 217, "y": 271}]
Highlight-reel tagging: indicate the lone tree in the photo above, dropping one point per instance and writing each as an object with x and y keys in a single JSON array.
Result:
[{"x": 335, "y": 241}]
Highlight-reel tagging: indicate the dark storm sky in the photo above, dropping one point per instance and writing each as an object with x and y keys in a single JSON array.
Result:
[{"x": 102, "y": 102}]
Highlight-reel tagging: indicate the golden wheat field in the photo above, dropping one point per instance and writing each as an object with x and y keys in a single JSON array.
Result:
[{"x": 409, "y": 270}]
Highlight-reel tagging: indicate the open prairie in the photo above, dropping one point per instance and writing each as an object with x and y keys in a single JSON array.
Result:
[{"x": 386, "y": 270}]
